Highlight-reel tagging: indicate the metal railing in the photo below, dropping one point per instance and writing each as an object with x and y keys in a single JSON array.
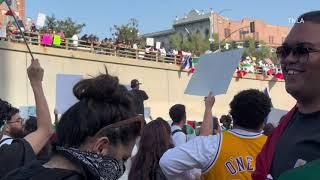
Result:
[
  {"x": 98, "y": 48},
  {"x": 103, "y": 49}
]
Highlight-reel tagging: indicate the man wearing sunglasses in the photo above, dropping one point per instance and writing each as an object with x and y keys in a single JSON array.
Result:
[
  {"x": 13, "y": 126},
  {"x": 296, "y": 141}
]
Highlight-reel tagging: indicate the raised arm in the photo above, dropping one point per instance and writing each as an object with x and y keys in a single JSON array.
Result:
[
  {"x": 40, "y": 137},
  {"x": 207, "y": 124}
]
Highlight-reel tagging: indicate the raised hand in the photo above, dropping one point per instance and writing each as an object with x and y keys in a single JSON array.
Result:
[
  {"x": 209, "y": 101},
  {"x": 35, "y": 72}
]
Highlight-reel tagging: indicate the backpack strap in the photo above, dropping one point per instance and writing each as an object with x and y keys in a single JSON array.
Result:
[
  {"x": 175, "y": 131},
  {"x": 5, "y": 139}
]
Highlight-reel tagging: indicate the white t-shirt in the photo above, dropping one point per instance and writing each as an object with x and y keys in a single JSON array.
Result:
[
  {"x": 8, "y": 141},
  {"x": 75, "y": 39},
  {"x": 178, "y": 138}
]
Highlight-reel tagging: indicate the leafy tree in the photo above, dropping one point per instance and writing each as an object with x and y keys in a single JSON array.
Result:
[
  {"x": 195, "y": 43},
  {"x": 68, "y": 26},
  {"x": 264, "y": 51},
  {"x": 176, "y": 41},
  {"x": 128, "y": 33},
  {"x": 51, "y": 23}
]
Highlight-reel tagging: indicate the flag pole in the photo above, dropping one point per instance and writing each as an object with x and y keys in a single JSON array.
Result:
[{"x": 24, "y": 38}]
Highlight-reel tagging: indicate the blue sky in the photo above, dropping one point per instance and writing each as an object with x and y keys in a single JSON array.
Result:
[{"x": 100, "y": 15}]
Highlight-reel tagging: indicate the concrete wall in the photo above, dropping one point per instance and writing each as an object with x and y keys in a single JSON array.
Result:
[{"x": 161, "y": 81}]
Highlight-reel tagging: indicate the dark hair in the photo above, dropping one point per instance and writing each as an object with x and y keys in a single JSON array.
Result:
[
  {"x": 215, "y": 124},
  {"x": 249, "y": 108},
  {"x": 102, "y": 102},
  {"x": 268, "y": 129},
  {"x": 6, "y": 111},
  {"x": 154, "y": 142},
  {"x": 227, "y": 120},
  {"x": 177, "y": 112},
  {"x": 30, "y": 125},
  {"x": 312, "y": 16}
]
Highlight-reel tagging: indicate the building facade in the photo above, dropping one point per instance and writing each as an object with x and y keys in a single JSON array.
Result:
[
  {"x": 230, "y": 30},
  {"x": 18, "y": 6}
]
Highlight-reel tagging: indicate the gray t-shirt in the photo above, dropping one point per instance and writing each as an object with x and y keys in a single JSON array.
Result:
[{"x": 300, "y": 142}]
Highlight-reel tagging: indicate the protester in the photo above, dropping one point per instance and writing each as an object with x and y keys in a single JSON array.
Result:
[
  {"x": 31, "y": 126},
  {"x": 179, "y": 117},
  {"x": 230, "y": 157},
  {"x": 95, "y": 136},
  {"x": 23, "y": 151},
  {"x": 226, "y": 121},
  {"x": 216, "y": 126},
  {"x": 139, "y": 96},
  {"x": 296, "y": 139},
  {"x": 156, "y": 139},
  {"x": 12, "y": 124}
]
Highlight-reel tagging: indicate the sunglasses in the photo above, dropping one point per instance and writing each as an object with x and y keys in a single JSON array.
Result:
[{"x": 299, "y": 51}]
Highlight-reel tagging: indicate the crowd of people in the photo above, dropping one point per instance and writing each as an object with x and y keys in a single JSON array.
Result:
[
  {"x": 105, "y": 46},
  {"x": 96, "y": 136},
  {"x": 265, "y": 67}
]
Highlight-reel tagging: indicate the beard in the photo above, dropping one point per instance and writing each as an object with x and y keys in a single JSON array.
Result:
[{"x": 17, "y": 133}]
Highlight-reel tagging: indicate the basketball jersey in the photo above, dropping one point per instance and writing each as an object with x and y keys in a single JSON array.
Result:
[{"x": 236, "y": 158}]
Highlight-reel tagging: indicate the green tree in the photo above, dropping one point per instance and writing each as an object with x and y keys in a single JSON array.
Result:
[
  {"x": 68, "y": 26},
  {"x": 198, "y": 44},
  {"x": 195, "y": 43},
  {"x": 127, "y": 33},
  {"x": 264, "y": 51},
  {"x": 51, "y": 23},
  {"x": 176, "y": 41}
]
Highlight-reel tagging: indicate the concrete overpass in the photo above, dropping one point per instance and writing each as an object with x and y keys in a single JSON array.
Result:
[{"x": 160, "y": 80}]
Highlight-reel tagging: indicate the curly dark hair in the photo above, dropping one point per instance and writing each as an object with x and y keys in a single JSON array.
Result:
[
  {"x": 249, "y": 108},
  {"x": 6, "y": 111},
  {"x": 102, "y": 102}
]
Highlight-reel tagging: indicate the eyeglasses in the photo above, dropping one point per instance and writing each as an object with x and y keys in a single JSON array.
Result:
[
  {"x": 19, "y": 120},
  {"x": 300, "y": 52}
]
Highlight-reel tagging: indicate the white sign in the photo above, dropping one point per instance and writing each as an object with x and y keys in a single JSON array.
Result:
[
  {"x": 41, "y": 19},
  {"x": 214, "y": 73},
  {"x": 3, "y": 32},
  {"x": 275, "y": 116},
  {"x": 64, "y": 91},
  {"x": 158, "y": 45},
  {"x": 150, "y": 42}
]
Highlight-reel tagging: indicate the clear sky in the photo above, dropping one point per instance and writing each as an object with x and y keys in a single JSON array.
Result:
[{"x": 100, "y": 15}]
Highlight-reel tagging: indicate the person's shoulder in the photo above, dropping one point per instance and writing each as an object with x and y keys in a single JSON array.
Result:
[
  {"x": 19, "y": 148},
  {"x": 36, "y": 171}
]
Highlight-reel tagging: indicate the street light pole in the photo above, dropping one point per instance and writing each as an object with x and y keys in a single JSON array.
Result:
[{"x": 219, "y": 13}]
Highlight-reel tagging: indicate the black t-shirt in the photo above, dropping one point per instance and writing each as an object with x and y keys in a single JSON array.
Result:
[
  {"x": 15, "y": 155},
  {"x": 138, "y": 97},
  {"x": 300, "y": 140},
  {"x": 35, "y": 171}
]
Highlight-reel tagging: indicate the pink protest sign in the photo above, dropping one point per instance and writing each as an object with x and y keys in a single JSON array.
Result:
[{"x": 47, "y": 39}]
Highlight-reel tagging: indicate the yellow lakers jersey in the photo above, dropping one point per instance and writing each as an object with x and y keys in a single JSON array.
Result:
[{"x": 236, "y": 158}]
